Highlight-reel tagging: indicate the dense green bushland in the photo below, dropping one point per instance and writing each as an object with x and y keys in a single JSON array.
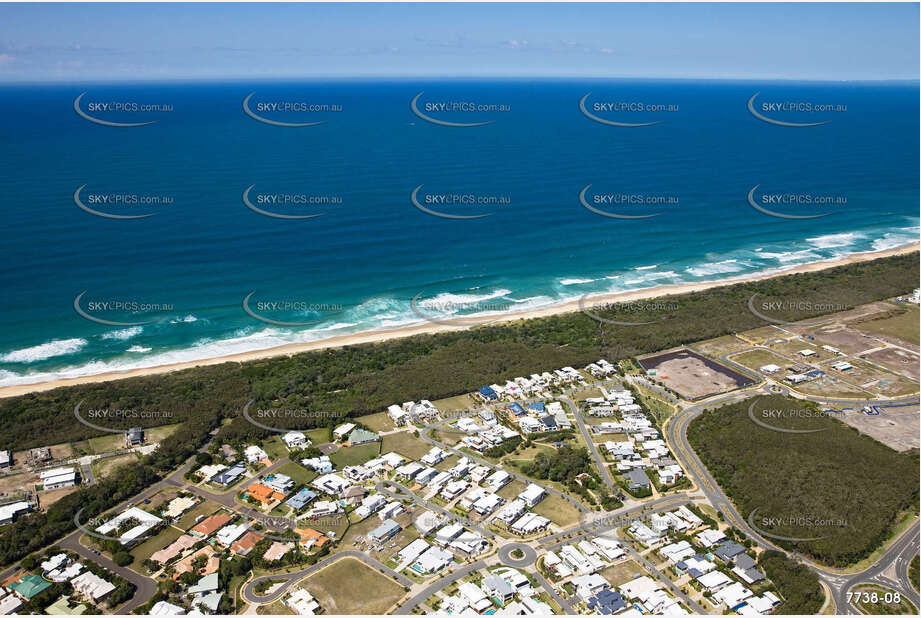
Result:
[
  {"x": 797, "y": 584},
  {"x": 363, "y": 379},
  {"x": 839, "y": 489}
]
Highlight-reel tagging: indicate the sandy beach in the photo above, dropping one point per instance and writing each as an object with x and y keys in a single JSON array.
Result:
[{"x": 455, "y": 324}]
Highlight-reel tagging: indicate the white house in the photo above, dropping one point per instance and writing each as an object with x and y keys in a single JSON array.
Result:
[
  {"x": 295, "y": 440},
  {"x": 532, "y": 494}
]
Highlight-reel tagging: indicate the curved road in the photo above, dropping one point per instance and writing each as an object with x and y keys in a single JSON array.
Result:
[{"x": 901, "y": 551}]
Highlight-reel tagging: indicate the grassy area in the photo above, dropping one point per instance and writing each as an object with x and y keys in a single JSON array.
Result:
[
  {"x": 456, "y": 403},
  {"x": 355, "y": 455},
  {"x": 298, "y": 473},
  {"x": 275, "y": 448},
  {"x": 511, "y": 491},
  {"x": 903, "y": 326},
  {"x": 794, "y": 480},
  {"x": 622, "y": 572},
  {"x": 377, "y": 422},
  {"x": 116, "y": 441},
  {"x": 885, "y": 603},
  {"x": 406, "y": 444},
  {"x": 143, "y": 551},
  {"x": 759, "y": 358},
  {"x": 559, "y": 511},
  {"x": 105, "y": 466},
  {"x": 205, "y": 507},
  {"x": 792, "y": 349},
  {"x": 758, "y": 336},
  {"x": 830, "y": 386},
  {"x": 878, "y": 379},
  {"x": 351, "y": 587},
  {"x": 719, "y": 346},
  {"x": 584, "y": 394},
  {"x": 275, "y": 609}
]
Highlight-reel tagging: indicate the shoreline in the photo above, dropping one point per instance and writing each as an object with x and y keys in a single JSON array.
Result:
[{"x": 432, "y": 327}]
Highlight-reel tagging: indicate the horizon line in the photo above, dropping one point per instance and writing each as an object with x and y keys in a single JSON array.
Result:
[{"x": 408, "y": 77}]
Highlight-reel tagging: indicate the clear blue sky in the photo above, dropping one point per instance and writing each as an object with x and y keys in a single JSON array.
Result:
[{"x": 66, "y": 42}]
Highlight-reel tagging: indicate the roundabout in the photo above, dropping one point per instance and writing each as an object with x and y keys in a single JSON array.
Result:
[{"x": 517, "y": 555}]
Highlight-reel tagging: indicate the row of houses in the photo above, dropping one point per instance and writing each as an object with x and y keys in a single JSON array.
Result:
[{"x": 537, "y": 385}]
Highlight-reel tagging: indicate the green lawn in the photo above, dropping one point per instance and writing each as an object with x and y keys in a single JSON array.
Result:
[
  {"x": 559, "y": 511},
  {"x": 355, "y": 455},
  {"x": 143, "y": 551},
  {"x": 351, "y": 587},
  {"x": 759, "y": 358},
  {"x": 298, "y": 473},
  {"x": 206, "y": 507},
  {"x": 377, "y": 422},
  {"x": 116, "y": 441},
  {"x": 406, "y": 444},
  {"x": 105, "y": 466}
]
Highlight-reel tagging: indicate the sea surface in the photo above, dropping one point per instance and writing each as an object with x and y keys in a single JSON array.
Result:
[{"x": 171, "y": 287}]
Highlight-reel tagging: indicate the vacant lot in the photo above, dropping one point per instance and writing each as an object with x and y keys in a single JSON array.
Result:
[
  {"x": 759, "y": 335},
  {"x": 622, "y": 572},
  {"x": 355, "y": 455},
  {"x": 721, "y": 345},
  {"x": 876, "y": 379},
  {"x": 900, "y": 361},
  {"x": 298, "y": 473},
  {"x": 201, "y": 509},
  {"x": 895, "y": 426},
  {"x": 406, "y": 444},
  {"x": 831, "y": 386},
  {"x": 116, "y": 441},
  {"x": 753, "y": 359},
  {"x": 903, "y": 326},
  {"x": 836, "y": 490},
  {"x": 692, "y": 375},
  {"x": 351, "y": 587},
  {"x": 559, "y": 511},
  {"x": 456, "y": 403},
  {"x": 377, "y": 422},
  {"x": 105, "y": 466}
]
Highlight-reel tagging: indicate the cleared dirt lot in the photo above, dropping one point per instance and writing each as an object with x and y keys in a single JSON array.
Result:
[
  {"x": 896, "y": 426},
  {"x": 899, "y": 361},
  {"x": 692, "y": 375}
]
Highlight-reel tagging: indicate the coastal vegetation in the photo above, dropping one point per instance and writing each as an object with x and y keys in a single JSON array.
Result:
[
  {"x": 363, "y": 379},
  {"x": 798, "y": 585},
  {"x": 857, "y": 487}
]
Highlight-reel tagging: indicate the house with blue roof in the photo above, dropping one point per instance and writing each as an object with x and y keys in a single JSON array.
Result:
[
  {"x": 301, "y": 499},
  {"x": 516, "y": 409},
  {"x": 488, "y": 393},
  {"x": 606, "y": 602},
  {"x": 537, "y": 405},
  {"x": 230, "y": 476}
]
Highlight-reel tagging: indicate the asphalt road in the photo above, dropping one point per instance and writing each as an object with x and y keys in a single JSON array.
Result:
[
  {"x": 902, "y": 550},
  {"x": 592, "y": 447}
]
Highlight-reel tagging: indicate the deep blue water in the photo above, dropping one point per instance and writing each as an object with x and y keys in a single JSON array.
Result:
[{"x": 368, "y": 256}]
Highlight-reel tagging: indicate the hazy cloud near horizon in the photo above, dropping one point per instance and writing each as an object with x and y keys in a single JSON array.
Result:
[{"x": 45, "y": 42}]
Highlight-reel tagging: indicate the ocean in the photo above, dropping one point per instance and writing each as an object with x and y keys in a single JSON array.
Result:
[{"x": 401, "y": 218}]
